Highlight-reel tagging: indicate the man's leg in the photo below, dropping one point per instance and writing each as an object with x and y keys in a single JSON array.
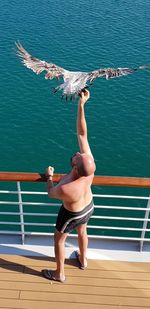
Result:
[
  {"x": 83, "y": 243},
  {"x": 59, "y": 241}
]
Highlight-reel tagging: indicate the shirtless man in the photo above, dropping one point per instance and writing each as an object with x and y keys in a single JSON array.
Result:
[{"x": 74, "y": 189}]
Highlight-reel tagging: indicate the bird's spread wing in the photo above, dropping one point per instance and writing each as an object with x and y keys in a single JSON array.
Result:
[
  {"x": 74, "y": 82},
  {"x": 112, "y": 73},
  {"x": 38, "y": 66}
]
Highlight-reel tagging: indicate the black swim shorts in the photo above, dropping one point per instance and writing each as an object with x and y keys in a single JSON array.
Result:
[{"x": 68, "y": 220}]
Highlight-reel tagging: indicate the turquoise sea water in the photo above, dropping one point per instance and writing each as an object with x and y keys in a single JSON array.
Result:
[{"x": 37, "y": 129}]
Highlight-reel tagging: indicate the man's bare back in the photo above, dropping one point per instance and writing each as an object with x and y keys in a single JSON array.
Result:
[{"x": 76, "y": 194}]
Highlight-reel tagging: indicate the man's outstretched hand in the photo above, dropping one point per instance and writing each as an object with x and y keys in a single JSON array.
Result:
[{"x": 84, "y": 96}]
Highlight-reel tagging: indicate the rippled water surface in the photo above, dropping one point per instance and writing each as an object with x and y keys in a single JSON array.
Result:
[{"x": 37, "y": 129}]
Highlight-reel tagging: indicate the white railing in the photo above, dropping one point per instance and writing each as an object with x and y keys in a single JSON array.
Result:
[{"x": 101, "y": 226}]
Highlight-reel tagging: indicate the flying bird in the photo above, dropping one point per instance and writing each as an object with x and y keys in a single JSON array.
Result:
[{"x": 74, "y": 82}]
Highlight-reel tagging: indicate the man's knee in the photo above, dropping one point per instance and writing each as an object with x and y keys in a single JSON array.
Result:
[
  {"x": 82, "y": 230},
  {"x": 60, "y": 237}
]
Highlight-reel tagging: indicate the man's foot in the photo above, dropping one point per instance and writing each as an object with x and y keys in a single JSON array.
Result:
[
  {"x": 51, "y": 275},
  {"x": 82, "y": 266}
]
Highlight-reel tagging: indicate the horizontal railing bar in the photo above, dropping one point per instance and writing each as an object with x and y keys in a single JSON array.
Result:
[
  {"x": 10, "y": 213},
  {"x": 120, "y": 218},
  {"x": 10, "y": 223},
  {"x": 97, "y": 181},
  {"x": 26, "y": 233},
  {"x": 89, "y": 226},
  {"x": 27, "y": 223},
  {"x": 118, "y": 207},
  {"x": 28, "y": 214},
  {"x": 29, "y": 203},
  {"x": 24, "y": 192},
  {"x": 93, "y": 217},
  {"x": 106, "y": 196},
  {"x": 58, "y": 205},
  {"x": 117, "y": 228},
  {"x": 119, "y": 238},
  {"x": 74, "y": 235},
  {"x": 94, "y": 195},
  {"x": 122, "y": 196}
]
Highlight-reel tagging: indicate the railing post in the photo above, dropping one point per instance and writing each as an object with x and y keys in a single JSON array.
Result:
[
  {"x": 145, "y": 224},
  {"x": 21, "y": 211}
]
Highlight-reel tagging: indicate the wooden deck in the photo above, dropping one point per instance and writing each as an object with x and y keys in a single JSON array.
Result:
[{"x": 104, "y": 285}]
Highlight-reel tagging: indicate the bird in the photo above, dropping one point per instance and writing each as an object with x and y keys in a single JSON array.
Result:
[{"x": 74, "y": 82}]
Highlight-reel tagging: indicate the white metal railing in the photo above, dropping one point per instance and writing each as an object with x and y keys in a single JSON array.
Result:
[{"x": 98, "y": 220}]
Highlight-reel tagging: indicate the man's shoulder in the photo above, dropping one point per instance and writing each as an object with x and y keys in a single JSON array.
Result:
[
  {"x": 78, "y": 184},
  {"x": 72, "y": 191}
]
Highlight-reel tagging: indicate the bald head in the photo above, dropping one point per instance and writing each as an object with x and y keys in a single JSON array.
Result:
[{"x": 84, "y": 163}]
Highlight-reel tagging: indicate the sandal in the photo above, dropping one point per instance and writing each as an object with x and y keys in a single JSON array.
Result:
[
  {"x": 48, "y": 274},
  {"x": 81, "y": 266}
]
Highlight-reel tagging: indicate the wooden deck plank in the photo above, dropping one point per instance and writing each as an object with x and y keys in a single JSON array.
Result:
[
  {"x": 85, "y": 290},
  {"x": 25, "y": 260},
  {"x": 98, "y": 273},
  {"x": 104, "y": 285},
  {"x": 90, "y": 299},
  {"x": 92, "y": 264},
  {"x": 11, "y": 268},
  {"x": 78, "y": 280},
  {"x": 9, "y": 294},
  {"x": 23, "y": 304}
]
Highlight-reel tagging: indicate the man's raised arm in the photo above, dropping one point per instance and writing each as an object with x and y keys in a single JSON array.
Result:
[{"x": 82, "y": 125}]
